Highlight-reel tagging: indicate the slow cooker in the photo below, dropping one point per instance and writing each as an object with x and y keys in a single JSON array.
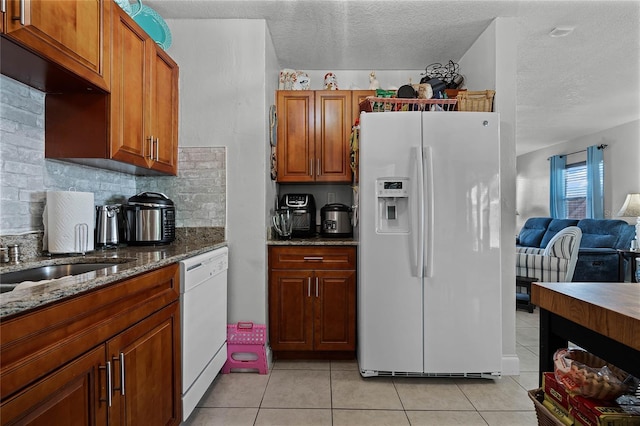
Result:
[
  {"x": 336, "y": 220},
  {"x": 150, "y": 219}
]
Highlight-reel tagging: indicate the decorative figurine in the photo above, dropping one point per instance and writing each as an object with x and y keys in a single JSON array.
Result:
[
  {"x": 302, "y": 81},
  {"x": 373, "y": 82},
  {"x": 330, "y": 81}
]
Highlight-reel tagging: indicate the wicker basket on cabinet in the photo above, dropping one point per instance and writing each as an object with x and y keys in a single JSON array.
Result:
[{"x": 475, "y": 100}]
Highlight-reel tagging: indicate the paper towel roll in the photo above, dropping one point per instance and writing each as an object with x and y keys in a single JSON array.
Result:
[{"x": 69, "y": 225}]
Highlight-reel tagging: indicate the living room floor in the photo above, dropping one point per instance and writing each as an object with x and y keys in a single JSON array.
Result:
[{"x": 301, "y": 393}]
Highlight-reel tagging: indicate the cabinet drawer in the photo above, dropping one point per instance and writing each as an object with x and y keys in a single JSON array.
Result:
[{"x": 312, "y": 257}]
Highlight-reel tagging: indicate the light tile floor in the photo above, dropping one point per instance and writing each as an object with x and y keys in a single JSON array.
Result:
[{"x": 300, "y": 393}]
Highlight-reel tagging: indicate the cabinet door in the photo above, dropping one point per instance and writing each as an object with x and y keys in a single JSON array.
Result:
[
  {"x": 146, "y": 372},
  {"x": 334, "y": 311},
  {"x": 358, "y": 96},
  {"x": 332, "y": 132},
  {"x": 295, "y": 147},
  {"x": 129, "y": 92},
  {"x": 291, "y": 310},
  {"x": 163, "y": 112},
  {"x": 73, "y": 395},
  {"x": 73, "y": 33}
]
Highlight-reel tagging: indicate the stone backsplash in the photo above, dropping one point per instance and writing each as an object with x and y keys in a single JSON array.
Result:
[{"x": 199, "y": 191}]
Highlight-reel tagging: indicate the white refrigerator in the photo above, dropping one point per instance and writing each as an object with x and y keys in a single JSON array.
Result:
[{"x": 429, "y": 281}]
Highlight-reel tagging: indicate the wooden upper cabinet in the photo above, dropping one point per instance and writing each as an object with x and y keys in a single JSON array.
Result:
[
  {"x": 358, "y": 96},
  {"x": 332, "y": 131},
  {"x": 133, "y": 129},
  {"x": 74, "y": 34},
  {"x": 129, "y": 89},
  {"x": 296, "y": 144},
  {"x": 163, "y": 112},
  {"x": 313, "y": 135},
  {"x": 144, "y": 100}
]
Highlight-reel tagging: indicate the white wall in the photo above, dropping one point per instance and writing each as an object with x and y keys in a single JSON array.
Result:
[
  {"x": 223, "y": 102},
  {"x": 359, "y": 79},
  {"x": 490, "y": 63},
  {"x": 621, "y": 170},
  {"x": 272, "y": 70}
]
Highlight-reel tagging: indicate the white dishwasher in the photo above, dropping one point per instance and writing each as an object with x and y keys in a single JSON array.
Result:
[{"x": 203, "y": 310}]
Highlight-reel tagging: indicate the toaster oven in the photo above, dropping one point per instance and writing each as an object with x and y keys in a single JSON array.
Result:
[{"x": 303, "y": 207}]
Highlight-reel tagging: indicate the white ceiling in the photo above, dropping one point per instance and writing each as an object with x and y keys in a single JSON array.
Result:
[{"x": 566, "y": 87}]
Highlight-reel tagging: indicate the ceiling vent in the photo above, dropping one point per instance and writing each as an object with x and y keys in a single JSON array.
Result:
[{"x": 561, "y": 31}]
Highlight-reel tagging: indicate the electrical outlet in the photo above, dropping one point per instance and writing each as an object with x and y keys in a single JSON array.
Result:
[{"x": 331, "y": 197}]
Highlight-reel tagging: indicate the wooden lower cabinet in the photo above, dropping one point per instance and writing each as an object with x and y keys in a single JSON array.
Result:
[
  {"x": 143, "y": 359},
  {"x": 312, "y": 308},
  {"x": 70, "y": 396},
  {"x": 109, "y": 357}
]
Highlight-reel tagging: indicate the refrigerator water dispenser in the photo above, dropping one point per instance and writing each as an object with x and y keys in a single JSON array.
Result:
[{"x": 392, "y": 205}]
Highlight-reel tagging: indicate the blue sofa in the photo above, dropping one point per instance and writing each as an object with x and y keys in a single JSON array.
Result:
[{"x": 597, "y": 257}]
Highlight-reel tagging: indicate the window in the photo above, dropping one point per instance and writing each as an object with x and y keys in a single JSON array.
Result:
[{"x": 575, "y": 189}]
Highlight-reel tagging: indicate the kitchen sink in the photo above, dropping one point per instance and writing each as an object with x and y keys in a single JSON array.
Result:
[{"x": 9, "y": 280}]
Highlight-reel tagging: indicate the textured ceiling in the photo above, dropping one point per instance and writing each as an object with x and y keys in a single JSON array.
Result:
[{"x": 566, "y": 87}]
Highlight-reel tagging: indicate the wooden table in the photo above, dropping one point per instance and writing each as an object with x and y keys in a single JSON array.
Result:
[{"x": 602, "y": 318}]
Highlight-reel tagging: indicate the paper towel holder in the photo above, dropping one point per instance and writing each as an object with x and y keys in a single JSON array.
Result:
[{"x": 82, "y": 237}]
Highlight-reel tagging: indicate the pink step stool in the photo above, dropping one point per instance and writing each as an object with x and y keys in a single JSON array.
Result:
[{"x": 246, "y": 338}]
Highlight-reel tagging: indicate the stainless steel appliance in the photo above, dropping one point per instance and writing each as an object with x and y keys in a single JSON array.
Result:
[
  {"x": 336, "y": 220},
  {"x": 303, "y": 207},
  {"x": 203, "y": 313},
  {"x": 149, "y": 218},
  {"x": 107, "y": 225}
]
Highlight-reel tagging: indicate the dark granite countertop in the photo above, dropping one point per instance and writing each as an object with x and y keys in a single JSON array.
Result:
[
  {"x": 316, "y": 240},
  {"x": 129, "y": 260}
]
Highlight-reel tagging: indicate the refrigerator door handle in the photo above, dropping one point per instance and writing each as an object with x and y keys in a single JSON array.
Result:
[
  {"x": 418, "y": 154},
  {"x": 428, "y": 205}
]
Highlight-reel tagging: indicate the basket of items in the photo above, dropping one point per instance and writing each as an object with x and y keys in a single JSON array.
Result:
[
  {"x": 584, "y": 389},
  {"x": 384, "y": 104},
  {"x": 475, "y": 100},
  {"x": 543, "y": 411},
  {"x": 583, "y": 373}
]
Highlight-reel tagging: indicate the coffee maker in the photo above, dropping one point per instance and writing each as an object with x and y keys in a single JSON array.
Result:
[{"x": 303, "y": 207}]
